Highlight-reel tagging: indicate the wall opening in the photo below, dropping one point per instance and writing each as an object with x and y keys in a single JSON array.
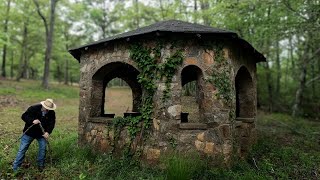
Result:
[
  {"x": 245, "y": 107},
  {"x": 118, "y": 98},
  {"x": 106, "y": 91},
  {"x": 192, "y": 80}
]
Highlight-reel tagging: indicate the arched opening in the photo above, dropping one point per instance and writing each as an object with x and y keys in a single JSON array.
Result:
[
  {"x": 118, "y": 97},
  {"x": 108, "y": 101},
  {"x": 244, "y": 94},
  {"x": 192, "y": 81}
]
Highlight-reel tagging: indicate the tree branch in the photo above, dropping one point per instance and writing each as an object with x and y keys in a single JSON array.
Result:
[
  {"x": 311, "y": 80},
  {"x": 286, "y": 3},
  {"x": 313, "y": 55},
  {"x": 42, "y": 16}
]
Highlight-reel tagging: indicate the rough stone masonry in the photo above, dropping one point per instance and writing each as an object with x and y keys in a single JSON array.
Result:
[{"x": 224, "y": 128}]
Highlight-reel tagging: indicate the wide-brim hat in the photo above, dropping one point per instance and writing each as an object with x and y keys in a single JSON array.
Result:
[{"x": 48, "y": 104}]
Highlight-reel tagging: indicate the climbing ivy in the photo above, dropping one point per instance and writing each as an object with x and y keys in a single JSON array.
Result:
[
  {"x": 221, "y": 72},
  {"x": 151, "y": 71},
  {"x": 169, "y": 68},
  {"x": 147, "y": 59}
]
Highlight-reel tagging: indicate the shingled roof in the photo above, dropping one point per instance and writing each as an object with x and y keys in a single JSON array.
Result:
[{"x": 173, "y": 26}]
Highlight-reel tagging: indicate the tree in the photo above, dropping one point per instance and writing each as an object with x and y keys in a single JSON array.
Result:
[
  {"x": 49, "y": 29},
  {"x": 5, "y": 27}
]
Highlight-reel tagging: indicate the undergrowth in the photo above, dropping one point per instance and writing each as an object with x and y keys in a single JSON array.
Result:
[{"x": 286, "y": 148}]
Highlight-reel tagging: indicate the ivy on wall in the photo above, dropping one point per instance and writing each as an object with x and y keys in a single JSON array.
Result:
[
  {"x": 221, "y": 70},
  {"x": 221, "y": 74},
  {"x": 151, "y": 71}
]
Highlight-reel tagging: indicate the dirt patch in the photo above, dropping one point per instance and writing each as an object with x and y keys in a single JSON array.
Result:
[{"x": 8, "y": 101}]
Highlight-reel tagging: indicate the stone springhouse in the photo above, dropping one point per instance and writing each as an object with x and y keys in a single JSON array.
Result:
[{"x": 222, "y": 65}]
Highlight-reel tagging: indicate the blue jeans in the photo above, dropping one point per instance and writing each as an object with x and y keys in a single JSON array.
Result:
[{"x": 25, "y": 143}]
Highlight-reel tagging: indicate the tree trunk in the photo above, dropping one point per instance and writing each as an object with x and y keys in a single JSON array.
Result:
[
  {"x": 23, "y": 51},
  {"x": 204, "y": 4},
  {"x": 11, "y": 68},
  {"x": 278, "y": 66},
  {"x": 162, "y": 10},
  {"x": 4, "y": 53},
  {"x": 66, "y": 73},
  {"x": 195, "y": 11},
  {"x": 137, "y": 21},
  {"x": 299, "y": 92},
  {"x": 302, "y": 80},
  {"x": 49, "y": 38},
  {"x": 269, "y": 86}
]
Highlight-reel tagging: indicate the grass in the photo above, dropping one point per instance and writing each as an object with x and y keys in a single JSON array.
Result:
[{"x": 287, "y": 148}]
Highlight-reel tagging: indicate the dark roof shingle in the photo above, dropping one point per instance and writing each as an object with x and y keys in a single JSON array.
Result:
[{"x": 174, "y": 26}]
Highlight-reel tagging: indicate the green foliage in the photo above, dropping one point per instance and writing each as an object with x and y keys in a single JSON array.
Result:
[
  {"x": 168, "y": 70},
  {"x": 183, "y": 167},
  {"x": 130, "y": 122},
  {"x": 151, "y": 71},
  {"x": 287, "y": 148},
  {"x": 221, "y": 71}
]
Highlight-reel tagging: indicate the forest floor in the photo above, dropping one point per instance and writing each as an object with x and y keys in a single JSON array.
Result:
[{"x": 287, "y": 148}]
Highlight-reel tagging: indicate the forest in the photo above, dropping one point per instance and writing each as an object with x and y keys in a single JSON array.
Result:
[{"x": 35, "y": 37}]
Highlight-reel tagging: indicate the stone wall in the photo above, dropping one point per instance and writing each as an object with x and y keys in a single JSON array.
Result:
[{"x": 218, "y": 132}]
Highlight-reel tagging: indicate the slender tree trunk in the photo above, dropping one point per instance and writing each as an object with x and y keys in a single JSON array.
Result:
[
  {"x": 49, "y": 38},
  {"x": 290, "y": 58},
  {"x": 269, "y": 86},
  {"x": 293, "y": 66},
  {"x": 66, "y": 72},
  {"x": 299, "y": 92},
  {"x": 11, "y": 68},
  {"x": 313, "y": 84},
  {"x": 195, "y": 11},
  {"x": 162, "y": 10},
  {"x": 204, "y": 4},
  {"x": 278, "y": 66},
  {"x": 302, "y": 80},
  {"x": 4, "y": 53},
  {"x": 23, "y": 51},
  {"x": 137, "y": 20}
]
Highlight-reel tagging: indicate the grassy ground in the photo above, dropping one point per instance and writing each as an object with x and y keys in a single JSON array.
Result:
[{"x": 287, "y": 148}]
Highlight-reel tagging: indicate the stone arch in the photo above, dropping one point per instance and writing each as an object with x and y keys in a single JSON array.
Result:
[
  {"x": 105, "y": 74},
  {"x": 189, "y": 74},
  {"x": 245, "y": 94}
]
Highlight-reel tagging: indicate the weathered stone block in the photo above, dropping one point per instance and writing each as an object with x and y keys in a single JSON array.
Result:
[
  {"x": 93, "y": 132},
  {"x": 227, "y": 148},
  {"x": 156, "y": 124},
  {"x": 200, "y": 137},
  {"x": 152, "y": 154},
  {"x": 208, "y": 56},
  {"x": 191, "y": 61},
  {"x": 209, "y": 148},
  {"x": 226, "y": 131},
  {"x": 199, "y": 145},
  {"x": 174, "y": 110}
]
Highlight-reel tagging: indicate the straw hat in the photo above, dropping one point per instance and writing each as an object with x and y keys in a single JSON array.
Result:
[{"x": 48, "y": 104}]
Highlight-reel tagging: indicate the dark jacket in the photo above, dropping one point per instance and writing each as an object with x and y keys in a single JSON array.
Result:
[{"x": 34, "y": 112}]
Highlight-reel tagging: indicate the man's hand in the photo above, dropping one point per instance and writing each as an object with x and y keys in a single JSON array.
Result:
[
  {"x": 36, "y": 121},
  {"x": 46, "y": 135}
]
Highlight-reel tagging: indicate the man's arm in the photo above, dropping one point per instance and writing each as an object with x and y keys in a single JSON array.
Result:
[
  {"x": 52, "y": 122},
  {"x": 28, "y": 116}
]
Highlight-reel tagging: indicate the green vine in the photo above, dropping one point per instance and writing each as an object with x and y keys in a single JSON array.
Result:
[
  {"x": 151, "y": 71},
  {"x": 168, "y": 70},
  {"x": 221, "y": 72}
]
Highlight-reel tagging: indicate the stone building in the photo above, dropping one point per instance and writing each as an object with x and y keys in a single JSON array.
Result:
[{"x": 225, "y": 86}]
